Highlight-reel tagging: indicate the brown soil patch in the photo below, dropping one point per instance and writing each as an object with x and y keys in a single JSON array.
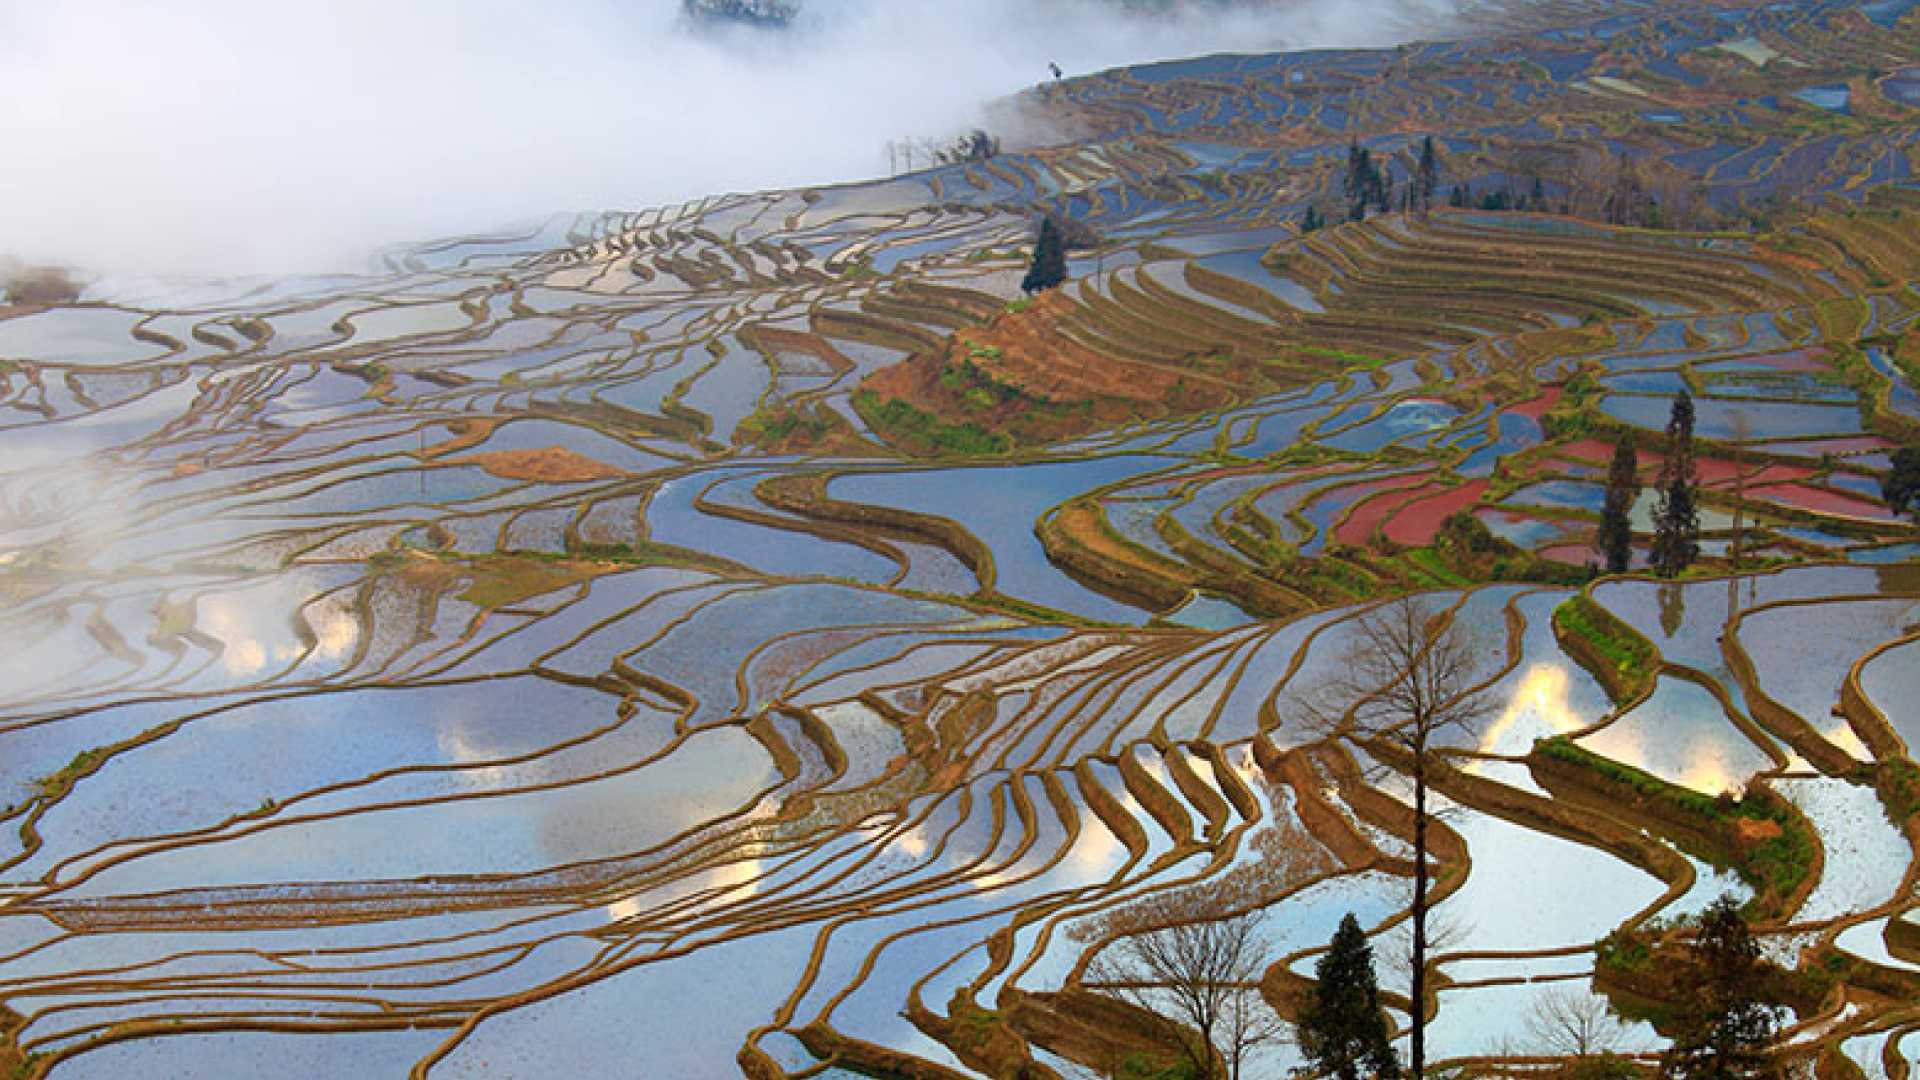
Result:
[
  {"x": 1752, "y": 832},
  {"x": 553, "y": 465},
  {"x": 466, "y": 435},
  {"x": 1029, "y": 351}
]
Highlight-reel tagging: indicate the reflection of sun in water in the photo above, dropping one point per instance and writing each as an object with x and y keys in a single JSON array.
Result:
[
  {"x": 1539, "y": 708},
  {"x": 1708, "y": 773}
]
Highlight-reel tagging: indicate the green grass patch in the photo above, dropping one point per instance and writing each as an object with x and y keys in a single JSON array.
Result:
[
  {"x": 902, "y": 422},
  {"x": 1632, "y": 660},
  {"x": 1139, "y": 1066}
]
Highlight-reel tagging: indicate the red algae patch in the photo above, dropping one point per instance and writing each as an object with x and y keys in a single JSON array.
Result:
[
  {"x": 1538, "y": 407},
  {"x": 1822, "y": 501},
  {"x": 1416, "y": 522},
  {"x": 1382, "y": 498}
]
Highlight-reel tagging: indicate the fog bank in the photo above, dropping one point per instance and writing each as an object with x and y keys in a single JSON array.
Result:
[{"x": 227, "y": 137}]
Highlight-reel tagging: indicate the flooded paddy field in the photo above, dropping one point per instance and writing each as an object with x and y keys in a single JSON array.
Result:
[{"x": 759, "y": 610}]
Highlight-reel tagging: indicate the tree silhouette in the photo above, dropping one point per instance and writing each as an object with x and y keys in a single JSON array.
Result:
[
  {"x": 1429, "y": 174},
  {"x": 1409, "y": 680},
  {"x": 1343, "y": 1031},
  {"x": 1204, "y": 971},
  {"x": 1615, "y": 542},
  {"x": 1901, "y": 486},
  {"x": 1676, "y": 519},
  {"x": 1366, "y": 185},
  {"x": 1722, "y": 1025},
  {"x": 1049, "y": 267}
]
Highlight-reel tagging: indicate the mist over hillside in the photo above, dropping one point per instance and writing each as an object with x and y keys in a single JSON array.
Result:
[{"x": 217, "y": 137}]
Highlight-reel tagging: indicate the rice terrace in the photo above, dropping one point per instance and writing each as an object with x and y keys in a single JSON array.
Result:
[{"x": 879, "y": 630}]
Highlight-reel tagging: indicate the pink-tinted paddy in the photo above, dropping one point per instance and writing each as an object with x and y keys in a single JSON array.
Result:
[
  {"x": 1417, "y": 520},
  {"x": 1376, "y": 499},
  {"x": 1822, "y": 501}
]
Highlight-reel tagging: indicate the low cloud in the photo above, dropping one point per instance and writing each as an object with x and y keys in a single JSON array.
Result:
[{"x": 221, "y": 136}]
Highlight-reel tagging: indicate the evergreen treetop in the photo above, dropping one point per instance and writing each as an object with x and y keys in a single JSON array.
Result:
[
  {"x": 1723, "y": 1027},
  {"x": 1615, "y": 542},
  {"x": 1342, "y": 1030},
  {"x": 1049, "y": 268},
  {"x": 1676, "y": 520}
]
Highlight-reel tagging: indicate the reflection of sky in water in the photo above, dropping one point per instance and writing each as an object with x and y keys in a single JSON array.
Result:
[
  {"x": 1866, "y": 856},
  {"x": 712, "y": 774},
  {"x": 252, "y": 1054},
  {"x": 1572, "y": 893},
  {"x": 1683, "y": 736}
]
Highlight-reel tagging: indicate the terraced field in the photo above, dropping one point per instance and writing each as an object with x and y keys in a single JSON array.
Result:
[{"x": 749, "y": 638}]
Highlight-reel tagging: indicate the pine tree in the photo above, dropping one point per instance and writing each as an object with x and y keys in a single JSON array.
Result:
[
  {"x": 1429, "y": 173},
  {"x": 1615, "y": 542},
  {"x": 1311, "y": 221},
  {"x": 1459, "y": 198},
  {"x": 1049, "y": 267},
  {"x": 1722, "y": 1026},
  {"x": 1676, "y": 520},
  {"x": 1342, "y": 1030},
  {"x": 1361, "y": 179}
]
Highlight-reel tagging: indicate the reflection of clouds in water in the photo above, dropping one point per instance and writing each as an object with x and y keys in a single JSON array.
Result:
[
  {"x": 1708, "y": 770},
  {"x": 258, "y": 626},
  {"x": 1539, "y": 708},
  {"x": 738, "y": 881}
]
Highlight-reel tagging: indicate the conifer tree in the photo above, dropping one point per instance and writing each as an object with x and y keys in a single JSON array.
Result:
[
  {"x": 1676, "y": 519},
  {"x": 1342, "y": 1030},
  {"x": 1615, "y": 542},
  {"x": 1360, "y": 181},
  {"x": 1049, "y": 269},
  {"x": 1429, "y": 174},
  {"x": 1723, "y": 1027},
  {"x": 1311, "y": 221}
]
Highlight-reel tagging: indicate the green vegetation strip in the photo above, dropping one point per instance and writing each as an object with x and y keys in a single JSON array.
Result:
[
  {"x": 1777, "y": 861},
  {"x": 1625, "y": 662}
]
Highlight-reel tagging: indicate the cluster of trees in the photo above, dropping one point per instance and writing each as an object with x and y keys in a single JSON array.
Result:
[
  {"x": 1503, "y": 198},
  {"x": 1591, "y": 182},
  {"x": 1369, "y": 184},
  {"x": 1676, "y": 516},
  {"x": 974, "y": 145},
  {"x": 1206, "y": 974},
  {"x": 36, "y": 284},
  {"x": 1412, "y": 676},
  {"x": 1366, "y": 184},
  {"x": 771, "y": 14},
  {"x": 1641, "y": 192}
]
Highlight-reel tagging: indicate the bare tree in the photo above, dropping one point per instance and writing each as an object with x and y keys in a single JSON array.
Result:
[
  {"x": 1203, "y": 973},
  {"x": 1567, "y": 1023},
  {"x": 1409, "y": 680}
]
